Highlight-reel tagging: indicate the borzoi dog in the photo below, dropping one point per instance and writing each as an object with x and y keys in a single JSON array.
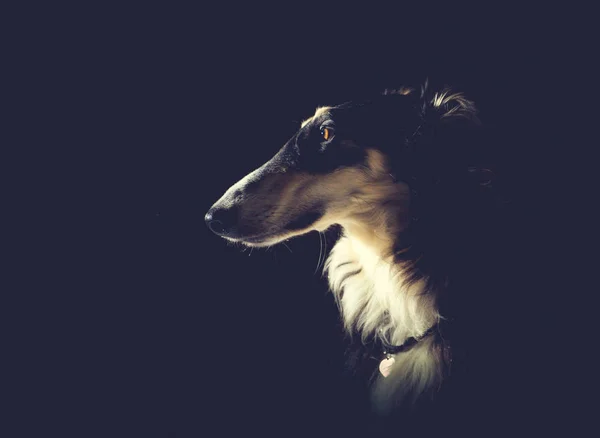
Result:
[{"x": 397, "y": 174}]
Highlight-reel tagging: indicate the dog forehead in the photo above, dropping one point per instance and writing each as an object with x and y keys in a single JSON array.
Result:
[{"x": 321, "y": 111}]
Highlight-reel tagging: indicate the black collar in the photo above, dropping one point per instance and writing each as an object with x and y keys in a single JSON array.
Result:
[{"x": 410, "y": 342}]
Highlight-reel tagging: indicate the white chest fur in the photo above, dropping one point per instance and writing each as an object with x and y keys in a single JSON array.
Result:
[{"x": 373, "y": 296}]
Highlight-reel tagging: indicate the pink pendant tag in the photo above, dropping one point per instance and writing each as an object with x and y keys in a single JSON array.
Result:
[{"x": 385, "y": 366}]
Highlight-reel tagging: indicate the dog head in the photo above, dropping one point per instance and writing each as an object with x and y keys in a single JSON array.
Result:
[{"x": 337, "y": 169}]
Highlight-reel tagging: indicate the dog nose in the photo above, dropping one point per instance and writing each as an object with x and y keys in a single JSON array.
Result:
[
  {"x": 221, "y": 221},
  {"x": 215, "y": 225}
]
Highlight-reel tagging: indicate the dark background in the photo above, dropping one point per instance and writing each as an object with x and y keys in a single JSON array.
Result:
[{"x": 132, "y": 319}]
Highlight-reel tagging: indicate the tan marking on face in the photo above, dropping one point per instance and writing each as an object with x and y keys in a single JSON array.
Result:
[
  {"x": 350, "y": 196},
  {"x": 318, "y": 112},
  {"x": 377, "y": 162}
]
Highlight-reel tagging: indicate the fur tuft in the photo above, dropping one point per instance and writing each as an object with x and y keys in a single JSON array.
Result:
[{"x": 454, "y": 105}]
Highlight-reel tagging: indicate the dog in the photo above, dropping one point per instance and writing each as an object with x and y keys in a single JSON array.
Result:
[{"x": 400, "y": 173}]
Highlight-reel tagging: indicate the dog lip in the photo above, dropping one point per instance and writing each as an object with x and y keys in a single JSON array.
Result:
[
  {"x": 265, "y": 238},
  {"x": 257, "y": 238}
]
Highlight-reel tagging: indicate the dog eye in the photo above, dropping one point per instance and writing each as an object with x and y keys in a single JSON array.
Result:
[{"x": 327, "y": 133}]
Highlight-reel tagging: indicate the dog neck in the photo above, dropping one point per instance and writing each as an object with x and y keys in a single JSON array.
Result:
[{"x": 370, "y": 287}]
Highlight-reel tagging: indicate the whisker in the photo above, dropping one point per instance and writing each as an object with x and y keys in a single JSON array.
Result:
[
  {"x": 325, "y": 251},
  {"x": 320, "y": 252}
]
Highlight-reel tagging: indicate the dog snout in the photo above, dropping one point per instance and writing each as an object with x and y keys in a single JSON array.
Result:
[{"x": 222, "y": 221}]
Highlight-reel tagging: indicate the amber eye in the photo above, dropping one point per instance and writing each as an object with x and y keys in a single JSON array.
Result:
[{"x": 326, "y": 133}]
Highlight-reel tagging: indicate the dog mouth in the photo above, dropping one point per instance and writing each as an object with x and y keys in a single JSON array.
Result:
[
  {"x": 259, "y": 240},
  {"x": 294, "y": 227}
]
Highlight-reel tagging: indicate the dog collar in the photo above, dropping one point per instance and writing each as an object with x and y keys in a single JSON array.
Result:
[
  {"x": 385, "y": 366},
  {"x": 388, "y": 349}
]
